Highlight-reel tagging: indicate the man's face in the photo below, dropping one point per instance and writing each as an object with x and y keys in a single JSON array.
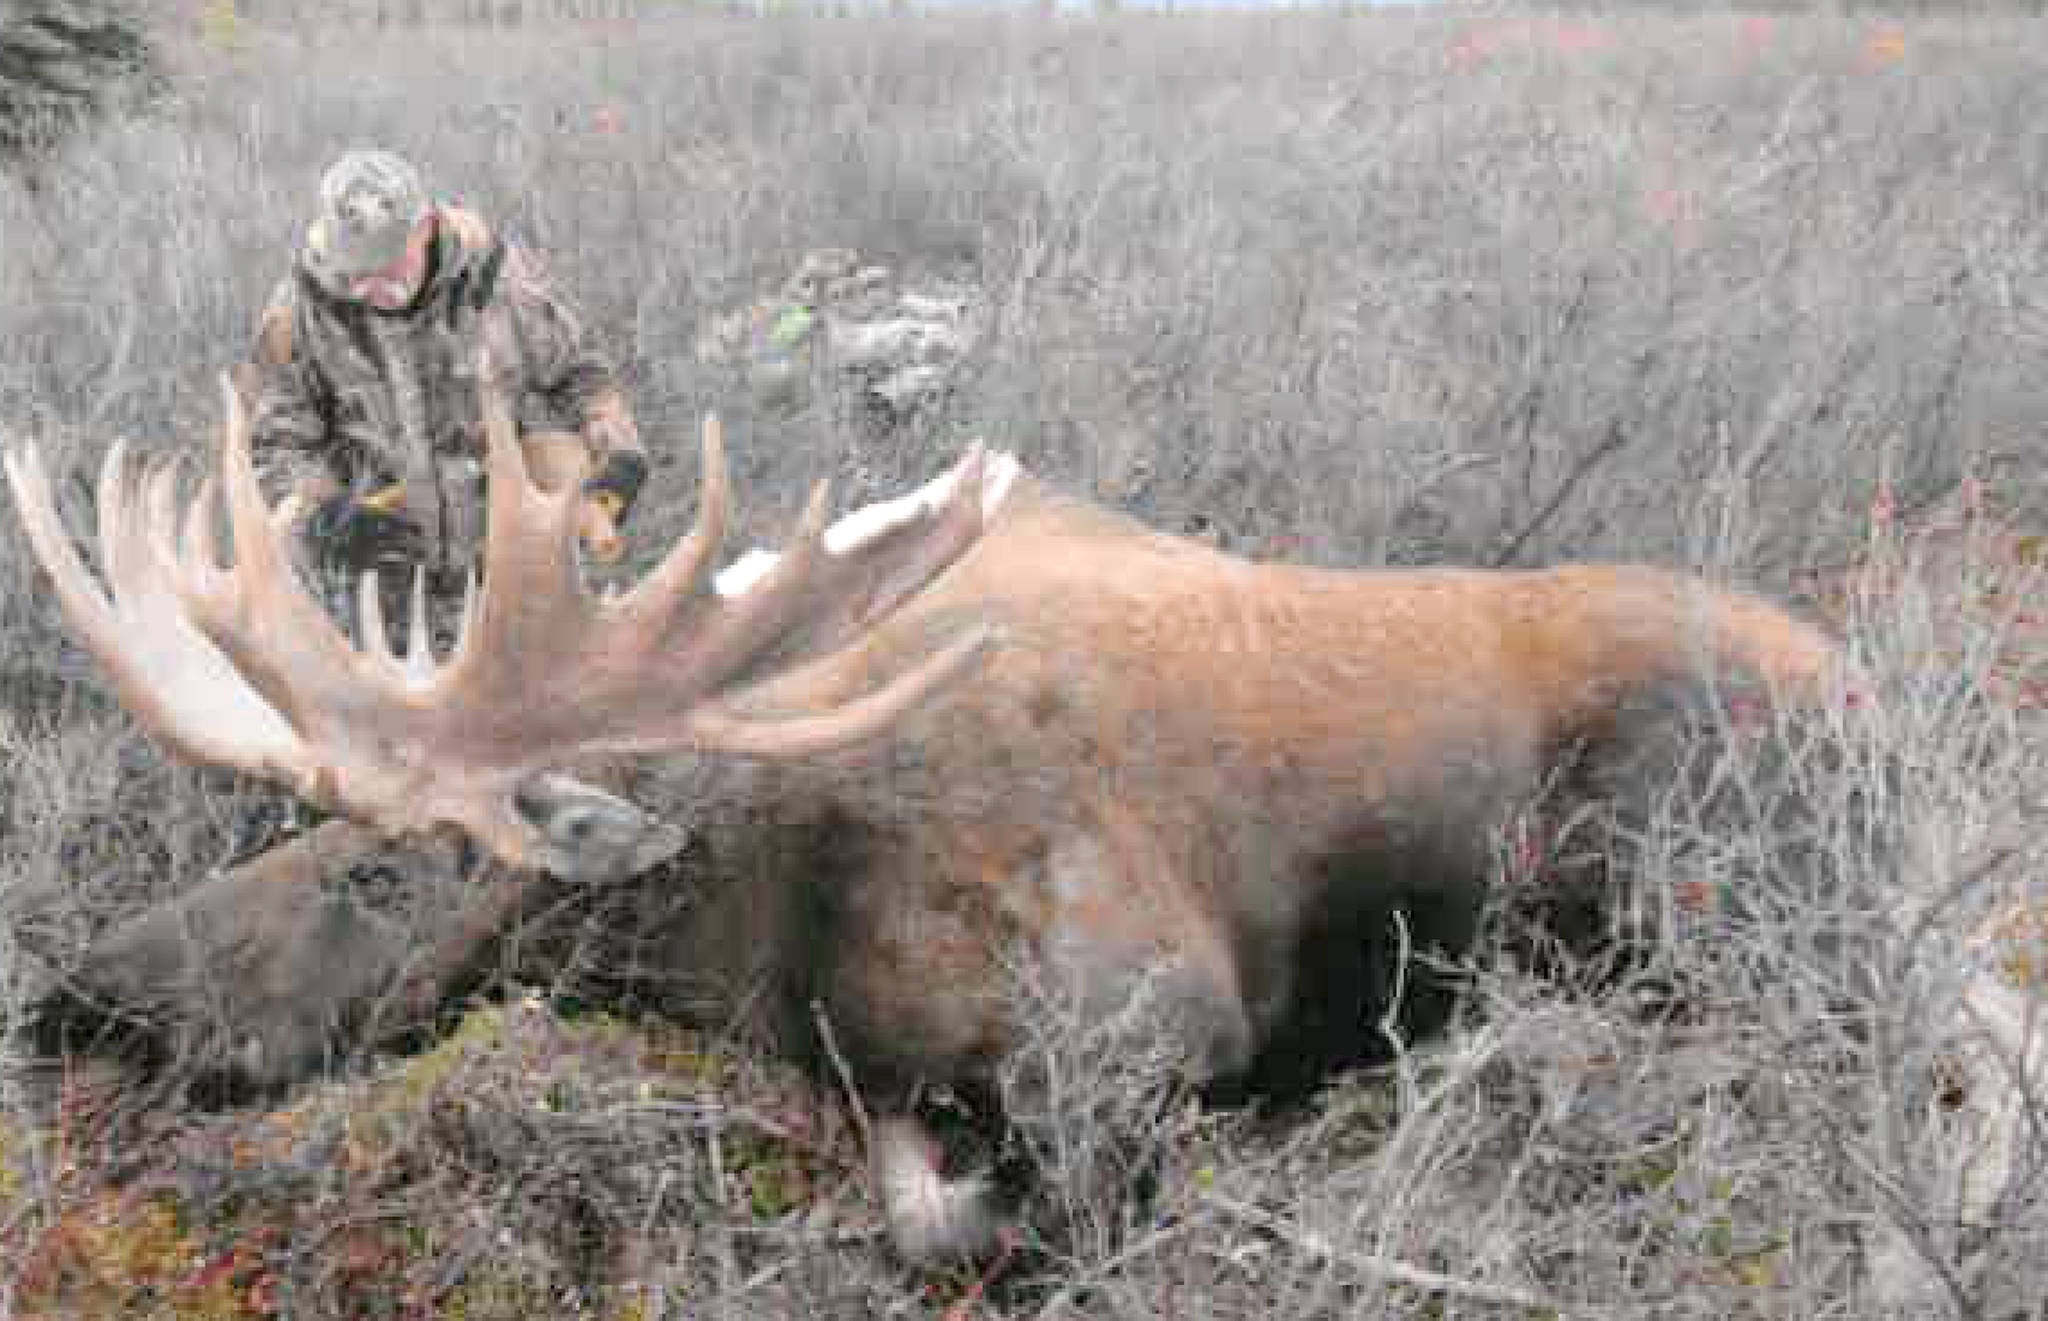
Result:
[{"x": 393, "y": 287}]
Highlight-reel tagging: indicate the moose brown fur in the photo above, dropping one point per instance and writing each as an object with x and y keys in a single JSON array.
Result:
[{"x": 1170, "y": 765}]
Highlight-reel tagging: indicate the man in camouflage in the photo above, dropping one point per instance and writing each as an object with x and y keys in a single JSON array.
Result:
[{"x": 366, "y": 424}]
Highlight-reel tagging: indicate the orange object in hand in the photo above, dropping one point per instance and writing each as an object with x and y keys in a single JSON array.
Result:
[
  {"x": 554, "y": 459},
  {"x": 385, "y": 500},
  {"x": 598, "y": 526}
]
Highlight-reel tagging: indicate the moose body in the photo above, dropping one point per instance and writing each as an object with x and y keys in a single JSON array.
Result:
[
  {"x": 1252, "y": 788},
  {"x": 1179, "y": 759}
]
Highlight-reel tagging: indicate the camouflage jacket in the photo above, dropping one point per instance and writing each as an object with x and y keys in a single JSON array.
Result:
[{"x": 352, "y": 398}]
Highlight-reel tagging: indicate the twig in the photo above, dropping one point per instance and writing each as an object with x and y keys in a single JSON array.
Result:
[
  {"x": 831, "y": 1044},
  {"x": 1400, "y": 1272},
  {"x": 1390, "y": 1021},
  {"x": 420, "y": 984},
  {"x": 766, "y": 1274},
  {"x": 714, "y": 1151},
  {"x": 1150, "y": 1243},
  {"x": 851, "y": 1236},
  {"x": 963, "y": 1307},
  {"x": 1609, "y": 444}
]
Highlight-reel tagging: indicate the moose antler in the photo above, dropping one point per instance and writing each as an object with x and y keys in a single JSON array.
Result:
[{"x": 237, "y": 665}]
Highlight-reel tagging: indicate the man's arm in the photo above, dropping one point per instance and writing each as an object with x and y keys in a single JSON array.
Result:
[
  {"x": 570, "y": 368},
  {"x": 289, "y": 433}
]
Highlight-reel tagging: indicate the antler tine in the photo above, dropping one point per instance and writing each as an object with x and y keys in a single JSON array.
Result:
[
  {"x": 370, "y": 633},
  {"x": 136, "y": 518},
  {"x": 419, "y": 641},
  {"x": 465, "y": 623},
  {"x": 507, "y": 480},
  {"x": 163, "y": 665},
  {"x": 260, "y": 558},
  {"x": 761, "y": 616},
  {"x": 110, "y": 498},
  {"x": 199, "y": 547},
  {"x": 653, "y": 601},
  {"x": 718, "y": 725},
  {"x": 280, "y": 640},
  {"x": 532, "y": 595},
  {"x": 159, "y": 531},
  {"x": 417, "y": 666},
  {"x": 534, "y": 519},
  {"x": 730, "y": 636},
  {"x": 171, "y": 553},
  {"x": 84, "y": 601}
]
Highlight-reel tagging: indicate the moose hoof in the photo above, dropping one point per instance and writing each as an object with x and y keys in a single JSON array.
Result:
[{"x": 929, "y": 1215}]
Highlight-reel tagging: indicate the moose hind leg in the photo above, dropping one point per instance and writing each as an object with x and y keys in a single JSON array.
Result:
[{"x": 1374, "y": 954}]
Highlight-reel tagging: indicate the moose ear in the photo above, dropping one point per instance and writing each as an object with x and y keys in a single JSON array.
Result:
[{"x": 587, "y": 836}]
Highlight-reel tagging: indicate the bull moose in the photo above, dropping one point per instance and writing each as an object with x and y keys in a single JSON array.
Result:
[{"x": 986, "y": 724}]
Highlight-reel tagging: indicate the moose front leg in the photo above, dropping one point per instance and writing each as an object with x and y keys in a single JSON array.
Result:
[
  {"x": 262, "y": 975},
  {"x": 1101, "y": 1018},
  {"x": 1068, "y": 1128}
]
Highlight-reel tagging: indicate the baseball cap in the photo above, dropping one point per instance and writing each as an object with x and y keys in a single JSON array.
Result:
[{"x": 369, "y": 203}]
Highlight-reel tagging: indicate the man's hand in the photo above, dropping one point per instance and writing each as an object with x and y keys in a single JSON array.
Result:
[
  {"x": 598, "y": 525},
  {"x": 617, "y": 482},
  {"x": 608, "y": 496},
  {"x": 558, "y": 459},
  {"x": 365, "y": 532}
]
